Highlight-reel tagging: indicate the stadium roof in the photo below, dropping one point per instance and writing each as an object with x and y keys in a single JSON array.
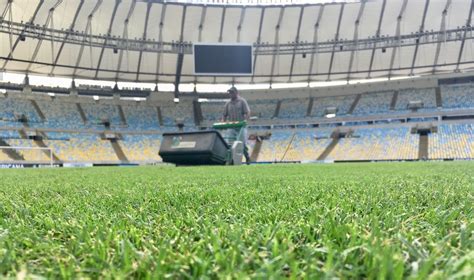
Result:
[{"x": 150, "y": 41}]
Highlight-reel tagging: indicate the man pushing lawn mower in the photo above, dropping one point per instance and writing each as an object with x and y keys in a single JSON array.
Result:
[
  {"x": 237, "y": 110},
  {"x": 225, "y": 144}
]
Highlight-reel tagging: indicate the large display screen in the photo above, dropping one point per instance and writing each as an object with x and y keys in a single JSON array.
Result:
[{"x": 222, "y": 60}]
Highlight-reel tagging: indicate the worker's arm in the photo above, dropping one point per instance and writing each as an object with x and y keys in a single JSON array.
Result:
[
  {"x": 246, "y": 110},
  {"x": 247, "y": 116},
  {"x": 224, "y": 116}
]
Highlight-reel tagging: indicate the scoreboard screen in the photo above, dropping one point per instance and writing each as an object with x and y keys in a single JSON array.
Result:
[{"x": 222, "y": 60}]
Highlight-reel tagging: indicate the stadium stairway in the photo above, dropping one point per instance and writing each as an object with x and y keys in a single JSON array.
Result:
[
  {"x": 38, "y": 110},
  {"x": 118, "y": 150},
  {"x": 439, "y": 99},
  {"x": 277, "y": 109},
  {"x": 159, "y": 115},
  {"x": 12, "y": 154},
  {"x": 423, "y": 147},
  {"x": 393, "y": 103},
  {"x": 41, "y": 144},
  {"x": 81, "y": 113},
  {"x": 330, "y": 147},
  {"x": 123, "y": 119},
  {"x": 197, "y": 113},
  {"x": 256, "y": 149},
  {"x": 22, "y": 133},
  {"x": 354, "y": 104},
  {"x": 310, "y": 107}
]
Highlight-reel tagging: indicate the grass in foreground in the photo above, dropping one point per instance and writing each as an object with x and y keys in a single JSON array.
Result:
[{"x": 392, "y": 221}]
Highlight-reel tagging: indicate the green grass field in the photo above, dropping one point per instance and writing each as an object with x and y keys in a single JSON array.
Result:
[{"x": 393, "y": 220}]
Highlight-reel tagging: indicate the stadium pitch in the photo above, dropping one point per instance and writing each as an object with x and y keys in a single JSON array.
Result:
[{"x": 385, "y": 220}]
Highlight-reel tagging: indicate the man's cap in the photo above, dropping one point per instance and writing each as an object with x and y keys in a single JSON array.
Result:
[{"x": 232, "y": 90}]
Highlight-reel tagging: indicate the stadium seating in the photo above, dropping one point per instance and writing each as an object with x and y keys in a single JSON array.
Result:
[
  {"x": 342, "y": 103},
  {"x": 58, "y": 135},
  {"x": 304, "y": 145},
  {"x": 212, "y": 111},
  {"x": 263, "y": 109},
  {"x": 141, "y": 148},
  {"x": 294, "y": 108},
  {"x": 458, "y": 96},
  {"x": 171, "y": 112},
  {"x": 377, "y": 144},
  {"x": 452, "y": 141},
  {"x": 272, "y": 150},
  {"x": 11, "y": 108},
  {"x": 308, "y": 145},
  {"x": 7, "y": 134},
  {"x": 29, "y": 154},
  {"x": 60, "y": 115},
  {"x": 4, "y": 158},
  {"x": 365, "y": 144},
  {"x": 426, "y": 95},
  {"x": 97, "y": 112},
  {"x": 141, "y": 117},
  {"x": 83, "y": 148},
  {"x": 374, "y": 103}
]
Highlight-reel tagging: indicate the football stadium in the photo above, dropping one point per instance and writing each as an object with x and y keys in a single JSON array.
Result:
[{"x": 236, "y": 139}]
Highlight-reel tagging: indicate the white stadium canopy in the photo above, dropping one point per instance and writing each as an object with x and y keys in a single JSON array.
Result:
[{"x": 151, "y": 41}]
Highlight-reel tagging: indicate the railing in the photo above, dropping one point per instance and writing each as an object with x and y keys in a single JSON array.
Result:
[
  {"x": 28, "y": 30},
  {"x": 258, "y": 2}
]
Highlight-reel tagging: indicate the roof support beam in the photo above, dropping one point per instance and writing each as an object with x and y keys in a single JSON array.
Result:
[
  {"x": 84, "y": 39},
  {"x": 315, "y": 43},
  {"x": 468, "y": 24},
  {"x": 336, "y": 38},
  {"x": 241, "y": 21},
  {"x": 119, "y": 43},
  {"x": 422, "y": 28},
  {"x": 179, "y": 67},
  {"x": 222, "y": 24},
  {"x": 201, "y": 23},
  {"x": 160, "y": 40},
  {"x": 259, "y": 38},
  {"x": 200, "y": 27},
  {"x": 239, "y": 29},
  {"x": 397, "y": 34},
  {"x": 356, "y": 38},
  {"x": 224, "y": 9},
  {"x": 442, "y": 28},
  {"x": 145, "y": 28},
  {"x": 109, "y": 30},
  {"x": 52, "y": 41},
  {"x": 8, "y": 8},
  {"x": 297, "y": 39},
  {"x": 32, "y": 21},
  {"x": 179, "y": 62},
  {"x": 276, "y": 55},
  {"x": 40, "y": 39},
  {"x": 377, "y": 34},
  {"x": 125, "y": 36},
  {"x": 71, "y": 28}
]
